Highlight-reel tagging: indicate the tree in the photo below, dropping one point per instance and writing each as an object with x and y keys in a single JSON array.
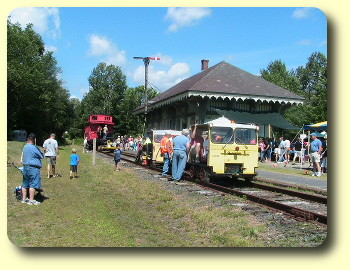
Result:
[
  {"x": 76, "y": 128},
  {"x": 134, "y": 97},
  {"x": 36, "y": 102},
  {"x": 278, "y": 74},
  {"x": 313, "y": 78},
  {"x": 309, "y": 82},
  {"x": 107, "y": 89}
]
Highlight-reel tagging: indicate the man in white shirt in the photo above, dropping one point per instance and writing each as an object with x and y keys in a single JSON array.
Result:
[
  {"x": 287, "y": 149},
  {"x": 51, "y": 153}
]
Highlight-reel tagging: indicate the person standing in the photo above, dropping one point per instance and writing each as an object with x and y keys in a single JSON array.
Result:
[
  {"x": 196, "y": 147},
  {"x": 282, "y": 150},
  {"x": 315, "y": 154},
  {"x": 262, "y": 150},
  {"x": 166, "y": 149},
  {"x": 31, "y": 159},
  {"x": 287, "y": 149},
  {"x": 74, "y": 162},
  {"x": 324, "y": 155},
  {"x": 298, "y": 150},
  {"x": 268, "y": 149},
  {"x": 181, "y": 148},
  {"x": 85, "y": 144},
  {"x": 51, "y": 154},
  {"x": 105, "y": 131},
  {"x": 117, "y": 157}
]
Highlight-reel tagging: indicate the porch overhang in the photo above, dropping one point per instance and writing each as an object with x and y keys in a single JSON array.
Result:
[{"x": 210, "y": 95}]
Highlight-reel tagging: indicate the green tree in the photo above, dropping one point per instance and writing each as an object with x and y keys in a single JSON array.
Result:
[
  {"x": 313, "y": 78},
  {"x": 106, "y": 94},
  {"x": 36, "y": 102},
  {"x": 309, "y": 82},
  {"x": 277, "y": 73},
  {"x": 134, "y": 98}
]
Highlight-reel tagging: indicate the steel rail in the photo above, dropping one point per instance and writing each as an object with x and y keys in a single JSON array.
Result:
[
  {"x": 307, "y": 215},
  {"x": 303, "y": 195},
  {"x": 297, "y": 212}
]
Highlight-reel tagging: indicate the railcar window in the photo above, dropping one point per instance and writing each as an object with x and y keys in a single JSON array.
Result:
[
  {"x": 94, "y": 118},
  {"x": 158, "y": 138},
  {"x": 245, "y": 136},
  {"x": 222, "y": 135}
]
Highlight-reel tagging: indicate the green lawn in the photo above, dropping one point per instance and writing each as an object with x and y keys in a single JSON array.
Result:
[{"x": 103, "y": 208}]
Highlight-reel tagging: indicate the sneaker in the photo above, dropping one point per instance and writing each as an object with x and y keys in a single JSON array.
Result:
[
  {"x": 33, "y": 202},
  {"x": 319, "y": 174},
  {"x": 25, "y": 201}
]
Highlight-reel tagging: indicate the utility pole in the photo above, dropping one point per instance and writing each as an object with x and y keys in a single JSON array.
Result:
[{"x": 146, "y": 61}]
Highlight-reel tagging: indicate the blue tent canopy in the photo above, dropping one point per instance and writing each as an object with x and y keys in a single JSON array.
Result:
[{"x": 322, "y": 126}]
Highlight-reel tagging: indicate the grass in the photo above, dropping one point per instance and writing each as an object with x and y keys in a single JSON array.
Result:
[{"x": 103, "y": 208}]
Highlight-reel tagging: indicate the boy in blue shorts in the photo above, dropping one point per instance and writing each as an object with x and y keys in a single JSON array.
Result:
[
  {"x": 117, "y": 157},
  {"x": 74, "y": 161}
]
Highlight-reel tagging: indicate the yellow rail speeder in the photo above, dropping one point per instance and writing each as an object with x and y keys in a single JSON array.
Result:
[
  {"x": 150, "y": 152},
  {"x": 229, "y": 149}
]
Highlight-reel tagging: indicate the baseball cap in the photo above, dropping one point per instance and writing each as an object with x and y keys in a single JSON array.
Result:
[
  {"x": 31, "y": 136},
  {"x": 313, "y": 134}
]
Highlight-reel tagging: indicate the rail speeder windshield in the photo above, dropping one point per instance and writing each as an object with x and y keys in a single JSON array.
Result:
[{"x": 226, "y": 135}]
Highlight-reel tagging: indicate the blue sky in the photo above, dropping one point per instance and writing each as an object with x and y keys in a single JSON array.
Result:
[{"x": 249, "y": 38}]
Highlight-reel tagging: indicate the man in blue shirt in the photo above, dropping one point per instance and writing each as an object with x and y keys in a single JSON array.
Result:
[
  {"x": 315, "y": 154},
  {"x": 31, "y": 158},
  {"x": 181, "y": 148}
]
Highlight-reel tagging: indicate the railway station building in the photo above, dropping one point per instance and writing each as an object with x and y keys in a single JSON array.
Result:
[{"x": 221, "y": 90}]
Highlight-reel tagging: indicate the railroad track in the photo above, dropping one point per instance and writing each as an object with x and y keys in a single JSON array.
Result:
[{"x": 303, "y": 205}]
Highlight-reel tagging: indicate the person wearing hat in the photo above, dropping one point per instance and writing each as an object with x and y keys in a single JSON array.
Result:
[
  {"x": 315, "y": 154},
  {"x": 51, "y": 153},
  {"x": 31, "y": 159}
]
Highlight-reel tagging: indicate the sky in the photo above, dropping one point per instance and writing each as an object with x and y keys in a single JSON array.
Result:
[{"x": 248, "y": 38}]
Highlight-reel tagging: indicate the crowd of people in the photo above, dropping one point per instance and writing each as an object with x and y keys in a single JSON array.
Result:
[
  {"x": 128, "y": 143},
  {"x": 285, "y": 151}
]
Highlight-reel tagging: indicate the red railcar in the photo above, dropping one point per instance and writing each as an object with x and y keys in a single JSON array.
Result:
[{"x": 96, "y": 127}]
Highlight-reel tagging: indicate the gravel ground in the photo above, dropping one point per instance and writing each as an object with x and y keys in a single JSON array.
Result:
[{"x": 282, "y": 231}]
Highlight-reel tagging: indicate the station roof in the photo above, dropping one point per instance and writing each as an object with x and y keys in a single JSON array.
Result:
[{"x": 224, "y": 80}]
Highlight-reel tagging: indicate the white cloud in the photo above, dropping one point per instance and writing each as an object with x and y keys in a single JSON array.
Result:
[
  {"x": 162, "y": 79},
  {"x": 50, "y": 48},
  {"x": 46, "y": 21},
  {"x": 184, "y": 17},
  {"x": 164, "y": 59},
  {"x": 309, "y": 42},
  {"x": 102, "y": 47},
  {"x": 71, "y": 97},
  {"x": 305, "y": 42},
  {"x": 301, "y": 13}
]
